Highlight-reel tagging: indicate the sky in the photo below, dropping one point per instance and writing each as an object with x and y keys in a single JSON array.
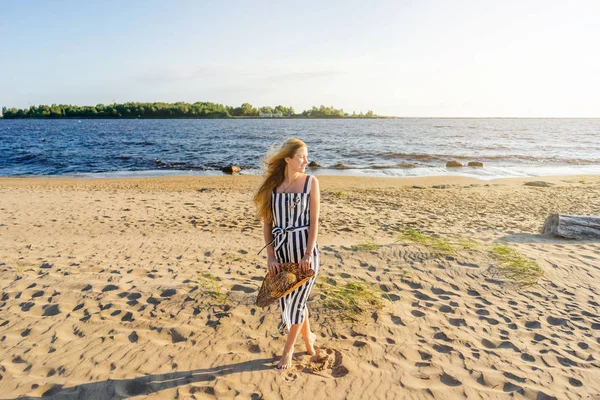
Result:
[{"x": 424, "y": 58}]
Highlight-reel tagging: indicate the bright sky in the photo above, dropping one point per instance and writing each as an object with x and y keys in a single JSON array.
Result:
[{"x": 427, "y": 58}]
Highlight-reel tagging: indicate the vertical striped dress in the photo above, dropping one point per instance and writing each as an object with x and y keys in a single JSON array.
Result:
[{"x": 291, "y": 219}]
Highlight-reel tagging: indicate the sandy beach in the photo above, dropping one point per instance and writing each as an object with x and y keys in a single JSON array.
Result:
[{"x": 114, "y": 288}]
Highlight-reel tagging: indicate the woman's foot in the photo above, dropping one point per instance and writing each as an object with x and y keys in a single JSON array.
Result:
[
  {"x": 310, "y": 345},
  {"x": 286, "y": 361}
]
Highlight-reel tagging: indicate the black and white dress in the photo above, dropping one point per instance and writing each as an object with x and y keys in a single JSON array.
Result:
[{"x": 291, "y": 220}]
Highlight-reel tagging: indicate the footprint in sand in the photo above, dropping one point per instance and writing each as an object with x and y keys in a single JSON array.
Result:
[
  {"x": 290, "y": 377},
  {"x": 254, "y": 348},
  {"x": 449, "y": 380},
  {"x": 328, "y": 362},
  {"x": 442, "y": 336},
  {"x": 575, "y": 382},
  {"x": 109, "y": 288},
  {"x": 50, "y": 310}
]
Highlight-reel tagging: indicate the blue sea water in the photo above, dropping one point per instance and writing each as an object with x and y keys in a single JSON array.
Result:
[{"x": 369, "y": 147}]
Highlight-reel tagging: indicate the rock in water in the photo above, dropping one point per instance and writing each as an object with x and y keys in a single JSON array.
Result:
[
  {"x": 231, "y": 169},
  {"x": 454, "y": 163}
]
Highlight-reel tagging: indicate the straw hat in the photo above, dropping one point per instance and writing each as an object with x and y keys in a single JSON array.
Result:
[{"x": 289, "y": 278}]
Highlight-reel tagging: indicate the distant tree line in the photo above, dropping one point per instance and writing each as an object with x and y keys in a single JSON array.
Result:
[
  {"x": 330, "y": 112},
  {"x": 172, "y": 110}
]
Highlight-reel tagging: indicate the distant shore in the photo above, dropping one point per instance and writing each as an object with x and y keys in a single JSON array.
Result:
[
  {"x": 197, "y": 110},
  {"x": 210, "y": 117}
]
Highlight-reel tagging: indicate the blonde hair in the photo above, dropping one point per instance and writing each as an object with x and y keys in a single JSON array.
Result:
[{"x": 275, "y": 166}]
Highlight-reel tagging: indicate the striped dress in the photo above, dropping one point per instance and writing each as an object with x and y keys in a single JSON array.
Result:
[{"x": 291, "y": 219}]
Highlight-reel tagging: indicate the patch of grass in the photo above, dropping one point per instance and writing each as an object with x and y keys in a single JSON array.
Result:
[
  {"x": 211, "y": 286},
  {"x": 368, "y": 246},
  {"x": 351, "y": 301},
  {"x": 339, "y": 194},
  {"x": 442, "y": 246},
  {"x": 582, "y": 182},
  {"x": 413, "y": 235},
  {"x": 514, "y": 267},
  {"x": 18, "y": 267},
  {"x": 331, "y": 281},
  {"x": 502, "y": 251},
  {"x": 469, "y": 244},
  {"x": 438, "y": 245}
]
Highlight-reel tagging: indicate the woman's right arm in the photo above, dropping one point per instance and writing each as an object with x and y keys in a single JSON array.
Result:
[{"x": 272, "y": 264}]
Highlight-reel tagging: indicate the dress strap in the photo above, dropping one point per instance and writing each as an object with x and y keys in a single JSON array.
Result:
[{"x": 307, "y": 184}]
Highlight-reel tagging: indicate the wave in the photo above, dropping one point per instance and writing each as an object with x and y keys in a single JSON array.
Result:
[
  {"x": 137, "y": 143},
  {"x": 423, "y": 157},
  {"x": 27, "y": 158},
  {"x": 178, "y": 165},
  {"x": 396, "y": 166}
]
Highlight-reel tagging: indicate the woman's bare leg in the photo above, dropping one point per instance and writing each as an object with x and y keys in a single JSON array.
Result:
[
  {"x": 288, "y": 350},
  {"x": 307, "y": 335},
  {"x": 309, "y": 341}
]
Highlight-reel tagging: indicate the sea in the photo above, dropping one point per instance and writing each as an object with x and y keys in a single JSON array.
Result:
[{"x": 403, "y": 147}]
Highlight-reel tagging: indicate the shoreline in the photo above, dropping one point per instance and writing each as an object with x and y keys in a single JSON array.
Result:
[
  {"x": 336, "y": 181},
  {"x": 488, "y": 173}
]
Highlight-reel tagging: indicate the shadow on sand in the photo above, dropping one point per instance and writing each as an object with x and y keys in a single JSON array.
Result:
[
  {"x": 542, "y": 238},
  {"x": 144, "y": 385}
]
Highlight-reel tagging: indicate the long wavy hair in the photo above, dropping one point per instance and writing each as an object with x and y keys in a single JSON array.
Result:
[{"x": 275, "y": 166}]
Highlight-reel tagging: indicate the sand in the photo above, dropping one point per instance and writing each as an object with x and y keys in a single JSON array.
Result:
[{"x": 112, "y": 288}]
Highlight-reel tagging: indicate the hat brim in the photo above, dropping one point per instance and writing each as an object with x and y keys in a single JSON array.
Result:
[{"x": 270, "y": 292}]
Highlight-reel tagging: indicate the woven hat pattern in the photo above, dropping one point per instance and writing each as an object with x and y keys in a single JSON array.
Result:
[{"x": 289, "y": 278}]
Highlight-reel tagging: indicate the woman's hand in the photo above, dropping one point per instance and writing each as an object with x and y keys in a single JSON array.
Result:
[
  {"x": 305, "y": 263},
  {"x": 273, "y": 266}
]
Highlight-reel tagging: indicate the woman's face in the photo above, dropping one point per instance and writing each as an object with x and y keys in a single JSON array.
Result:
[{"x": 299, "y": 162}]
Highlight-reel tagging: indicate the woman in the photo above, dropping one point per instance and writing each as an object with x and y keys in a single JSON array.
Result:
[{"x": 288, "y": 204}]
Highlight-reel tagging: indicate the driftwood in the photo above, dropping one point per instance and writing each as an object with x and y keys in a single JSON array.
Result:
[{"x": 572, "y": 226}]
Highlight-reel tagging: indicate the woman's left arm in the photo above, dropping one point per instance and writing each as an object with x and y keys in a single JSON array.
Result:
[{"x": 313, "y": 230}]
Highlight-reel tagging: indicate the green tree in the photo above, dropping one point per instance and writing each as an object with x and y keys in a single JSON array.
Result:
[{"x": 169, "y": 110}]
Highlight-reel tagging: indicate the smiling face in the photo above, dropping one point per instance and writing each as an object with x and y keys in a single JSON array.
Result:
[{"x": 299, "y": 162}]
